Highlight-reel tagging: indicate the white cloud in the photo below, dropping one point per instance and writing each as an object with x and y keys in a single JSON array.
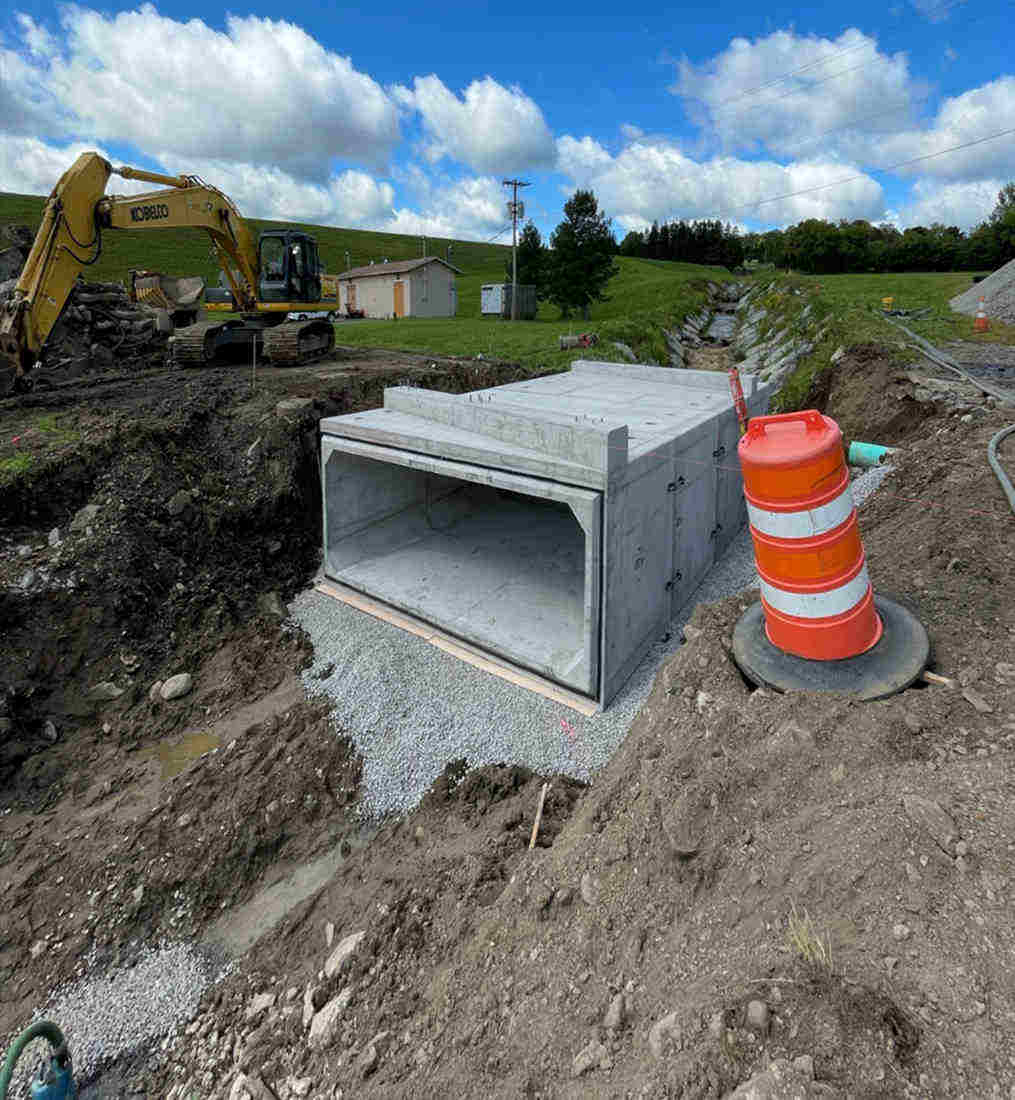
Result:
[
  {"x": 468, "y": 209},
  {"x": 490, "y": 128},
  {"x": 962, "y": 204},
  {"x": 29, "y": 166},
  {"x": 779, "y": 91},
  {"x": 262, "y": 91},
  {"x": 351, "y": 199},
  {"x": 974, "y": 114},
  {"x": 650, "y": 181}
]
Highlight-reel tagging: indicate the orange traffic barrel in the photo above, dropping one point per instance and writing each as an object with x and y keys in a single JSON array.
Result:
[
  {"x": 819, "y": 626},
  {"x": 815, "y": 590},
  {"x": 981, "y": 322}
]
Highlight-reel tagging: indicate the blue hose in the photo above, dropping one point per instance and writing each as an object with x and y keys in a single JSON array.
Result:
[
  {"x": 55, "y": 1080},
  {"x": 996, "y": 466}
]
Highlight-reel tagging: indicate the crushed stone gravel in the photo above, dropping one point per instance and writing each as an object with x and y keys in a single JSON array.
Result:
[
  {"x": 106, "y": 1015},
  {"x": 411, "y": 708}
]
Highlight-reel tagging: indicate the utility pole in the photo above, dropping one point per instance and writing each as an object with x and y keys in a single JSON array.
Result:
[{"x": 516, "y": 210}]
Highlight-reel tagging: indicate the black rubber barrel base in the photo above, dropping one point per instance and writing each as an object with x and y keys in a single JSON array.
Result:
[{"x": 889, "y": 667}]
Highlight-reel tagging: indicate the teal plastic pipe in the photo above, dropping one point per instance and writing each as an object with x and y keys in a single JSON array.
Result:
[
  {"x": 868, "y": 454},
  {"x": 42, "y": 1029}
]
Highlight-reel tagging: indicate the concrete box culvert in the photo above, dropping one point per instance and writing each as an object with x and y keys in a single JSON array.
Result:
[{"x": 556, "y": 523}]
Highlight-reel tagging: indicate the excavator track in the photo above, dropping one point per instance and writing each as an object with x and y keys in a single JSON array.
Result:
[
  {"x": 294, "y": 343},
  {"x": 196, "y": 345}
]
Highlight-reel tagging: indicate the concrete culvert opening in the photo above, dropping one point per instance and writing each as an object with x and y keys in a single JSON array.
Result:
[
  {"x": 556, "y": 524},
  {"x": 505, "y": 562}
]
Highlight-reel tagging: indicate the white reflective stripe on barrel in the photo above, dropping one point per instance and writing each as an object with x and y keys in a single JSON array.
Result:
[
  {"x": 802, "y": 525},
  {"x": 818, "y": 605}
]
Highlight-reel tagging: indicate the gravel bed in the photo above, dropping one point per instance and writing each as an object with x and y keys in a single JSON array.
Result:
[
  {"x": 105, "y": 1016},
  {"x": 410, "y": 708}
]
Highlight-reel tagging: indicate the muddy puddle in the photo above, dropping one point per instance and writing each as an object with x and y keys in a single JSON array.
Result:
[{"x": 177, "y": 754}]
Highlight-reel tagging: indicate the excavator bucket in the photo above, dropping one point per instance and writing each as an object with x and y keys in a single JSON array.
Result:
[{"x": 165, "y": 292}]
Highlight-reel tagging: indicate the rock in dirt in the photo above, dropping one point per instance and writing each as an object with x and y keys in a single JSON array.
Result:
[
  {"x": 368, "y": 1060},
  {"x": 84, "y": 516},
  {"x": 343, "y": 953},
  {"x": 664, "y": 1033},
  {"x": 259, "y": 1006},
  {"x": 310, "y": 1004},
  {"x": 154, "y": 692},
  {"x": 325, "y": 1023},
  {"x": 781, "y": 1081},
  {"x": 977, "y": 701},
  {"x": 270, "y": 604},
  {"x": 757, "y": 1017},
  {"x": 615, "y": 1013},
  {"x": 589, "y": 889},
  {"x": 294, "y": 405},
  {"x": 176, "y": 686},
  {"x": 178, "y": 502},
  {"x": 930, "y": 816},
  {"x": 590, "y": 1056},
  {"x": 50, "y": 732},
  {"x": 106, "y": 691},
  {"x": 54, "y": 537}
]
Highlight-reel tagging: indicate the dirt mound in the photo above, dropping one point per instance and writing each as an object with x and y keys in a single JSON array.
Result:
[
  {"x": 168, "y": 529},
  {"x": 166, "y": 853},
  {"x": 756, "y": 887},
  {"x": 873, "y": 398}
]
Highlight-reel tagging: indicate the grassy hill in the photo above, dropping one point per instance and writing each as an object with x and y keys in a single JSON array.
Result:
[
  {"x": 188, "y": 252},
  {"x": 645, "y": 296}
]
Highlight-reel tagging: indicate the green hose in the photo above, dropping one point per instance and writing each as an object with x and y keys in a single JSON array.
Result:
[{"x": 43, "y": 1029}]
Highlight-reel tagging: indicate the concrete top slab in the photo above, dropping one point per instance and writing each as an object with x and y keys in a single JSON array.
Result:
[{"x": 584, "y": 427}]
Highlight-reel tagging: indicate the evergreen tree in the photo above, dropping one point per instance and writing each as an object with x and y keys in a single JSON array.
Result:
[{"x": 581, "y": 263}]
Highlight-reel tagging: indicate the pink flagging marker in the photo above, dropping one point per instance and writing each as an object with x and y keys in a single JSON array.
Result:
[{"x": 566, "y": 726}]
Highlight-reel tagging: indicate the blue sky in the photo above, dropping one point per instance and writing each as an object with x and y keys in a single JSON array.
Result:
[{"x": 391, "y": 118}]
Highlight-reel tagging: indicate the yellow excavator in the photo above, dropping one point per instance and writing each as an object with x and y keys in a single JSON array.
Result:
[{"x": 265, "y": 279}]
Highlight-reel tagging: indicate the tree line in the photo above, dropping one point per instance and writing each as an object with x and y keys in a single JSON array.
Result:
[
  {"x": 825, "y": 248},
  {"x": 714, "y": 243}
]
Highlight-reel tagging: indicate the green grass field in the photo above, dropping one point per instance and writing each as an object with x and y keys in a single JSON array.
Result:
[{"x": 645, "y": 296}]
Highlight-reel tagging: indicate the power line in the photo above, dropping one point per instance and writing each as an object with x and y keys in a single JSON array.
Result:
[
  {"x": 792, "y": 72},
  {"x": 868, "y": 171}
]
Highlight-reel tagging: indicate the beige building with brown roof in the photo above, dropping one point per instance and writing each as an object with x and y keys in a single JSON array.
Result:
[{"x": 405, "y": 288}]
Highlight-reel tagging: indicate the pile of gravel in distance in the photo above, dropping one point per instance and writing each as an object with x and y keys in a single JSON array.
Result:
[
  {"x": 997, "y": 291},
  {"x": 112, "y": 1014},
  {"x": 410, "y": 708}
]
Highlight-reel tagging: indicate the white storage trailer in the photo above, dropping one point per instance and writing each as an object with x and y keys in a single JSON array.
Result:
[{"x": 556, "y": 523}]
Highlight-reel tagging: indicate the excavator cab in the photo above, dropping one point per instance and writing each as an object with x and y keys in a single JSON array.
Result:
[{"x": 290, "y": 268}]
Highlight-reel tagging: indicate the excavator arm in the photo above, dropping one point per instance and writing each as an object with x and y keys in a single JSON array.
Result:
[{"x": 70, "y": 239}]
